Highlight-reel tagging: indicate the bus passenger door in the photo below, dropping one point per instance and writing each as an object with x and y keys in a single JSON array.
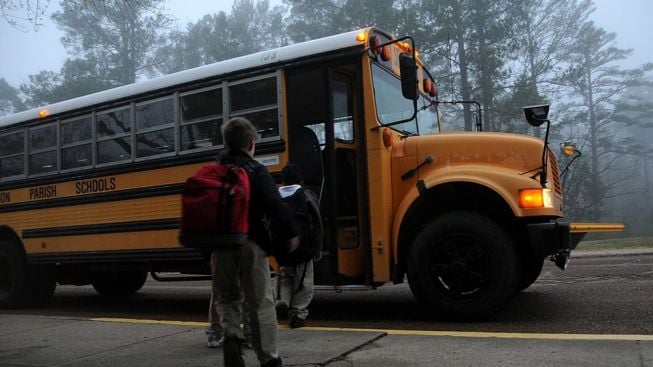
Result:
[{"x": 323, "y": 139}]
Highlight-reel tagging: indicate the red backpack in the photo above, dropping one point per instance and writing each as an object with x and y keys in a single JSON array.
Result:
[{"x": 215, "y": 207}]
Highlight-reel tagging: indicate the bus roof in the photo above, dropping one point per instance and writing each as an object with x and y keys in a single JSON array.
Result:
[{"x": 282, "y": 54}]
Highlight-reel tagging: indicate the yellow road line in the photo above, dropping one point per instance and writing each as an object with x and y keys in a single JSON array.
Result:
[
  {"x": 146, "y": 321},
  {"x": 457, "y": 334}
]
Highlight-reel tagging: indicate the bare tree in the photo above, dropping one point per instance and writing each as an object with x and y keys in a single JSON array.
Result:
[
  {"x": 596, "y": 85},
  {"x": 21, "y": 13}
]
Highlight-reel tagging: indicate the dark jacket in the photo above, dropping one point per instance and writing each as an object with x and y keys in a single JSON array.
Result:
[{"x": 265, "y": 202}]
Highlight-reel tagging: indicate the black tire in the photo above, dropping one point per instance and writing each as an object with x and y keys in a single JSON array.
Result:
[
  {"x": 23, "y": 284},
  {"x": 118, "y": 283},
  {"x": 531, "y": 269},
  {"x": 463, "y": 266}
]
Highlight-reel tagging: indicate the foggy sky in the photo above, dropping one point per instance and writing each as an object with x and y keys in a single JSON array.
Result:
[{"x": 29, "y": 52}]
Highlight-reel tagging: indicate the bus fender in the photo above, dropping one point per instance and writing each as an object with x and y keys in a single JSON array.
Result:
[{"x": 426, "y": 184}]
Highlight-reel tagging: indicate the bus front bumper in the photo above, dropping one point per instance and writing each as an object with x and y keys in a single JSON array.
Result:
[{"x": 557, "y": 239}]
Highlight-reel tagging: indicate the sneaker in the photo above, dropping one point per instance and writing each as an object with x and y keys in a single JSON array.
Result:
[
  {"x": 233, "y": 355},
  {"x": 215, "y": 341},
  {"x": 296, "y": 322}
]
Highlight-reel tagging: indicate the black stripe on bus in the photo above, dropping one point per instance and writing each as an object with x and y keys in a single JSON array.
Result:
[
  {"x": 139, "y": 226},
  {"x": 174, "y": 254},
  {"x": 96, "y": 198},
  {"x": 152, "y": 164}
]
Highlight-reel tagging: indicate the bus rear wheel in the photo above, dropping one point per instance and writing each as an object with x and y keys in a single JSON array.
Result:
[
  {"x": 463, "y": 266},
  {"x": 118, "y": 283},
  {"x": 23, "y": 284}
]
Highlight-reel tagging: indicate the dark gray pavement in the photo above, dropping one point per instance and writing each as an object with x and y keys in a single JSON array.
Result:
[
  {"x": 59, "y": 341},
  {"x": 30, "y": 341}
]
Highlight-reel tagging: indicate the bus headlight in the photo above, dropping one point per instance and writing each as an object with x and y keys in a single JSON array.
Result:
[{"x": 535, "y": 198}]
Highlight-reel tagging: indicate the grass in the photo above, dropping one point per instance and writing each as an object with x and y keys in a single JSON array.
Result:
[{"x": 616, "y": 243}]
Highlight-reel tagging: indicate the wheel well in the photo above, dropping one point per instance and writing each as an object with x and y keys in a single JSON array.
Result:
[
  {"x": 445, "y": 198},
  {"x": 8, "y": 234}
]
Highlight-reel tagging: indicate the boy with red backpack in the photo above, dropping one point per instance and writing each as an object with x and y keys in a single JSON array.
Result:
[{"x": 239, "y": 238}]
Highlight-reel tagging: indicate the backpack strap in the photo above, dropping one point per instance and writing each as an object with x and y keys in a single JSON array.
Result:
[
  {"x": 249, "y": 166},
  {"x": 247, "y": 163}
]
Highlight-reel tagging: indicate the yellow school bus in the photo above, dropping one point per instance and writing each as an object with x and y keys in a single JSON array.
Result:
[{"x": 90, "y": 187}]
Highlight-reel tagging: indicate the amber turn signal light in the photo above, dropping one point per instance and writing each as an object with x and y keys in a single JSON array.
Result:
[{"x": 535, "y": 198}]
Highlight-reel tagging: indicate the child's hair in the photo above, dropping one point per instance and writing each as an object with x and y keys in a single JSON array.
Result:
[
  {"x": 292, "y": 174},
  {"x": 237, "y": 133}
]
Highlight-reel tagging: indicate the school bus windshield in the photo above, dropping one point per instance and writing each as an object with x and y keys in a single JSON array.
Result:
[{"x": 391, "y": 106}]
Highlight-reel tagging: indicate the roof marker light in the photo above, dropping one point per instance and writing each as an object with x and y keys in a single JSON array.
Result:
[
  {"x": 43, "y": 113},
  {"x": 427, "y": 85},
  {"x": 383, "y": 51},
  {"x": 361, "y": 37},
  {"x": 434, "y": 90}
]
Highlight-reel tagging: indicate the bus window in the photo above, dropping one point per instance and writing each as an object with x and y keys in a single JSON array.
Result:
[
  {"x": 427, "y": 117},
  {"x": 114, "y": 123},
  {"x": 43, "y": 149},
  {"x": 114, "y": 135},
  {"x": 76, "y": 151},
  {"x": 343, "y": 126},
  {"x": 12, "y": 157},
  {"x": 201, "y": 117},
  {"x": 391, "y": 105},
  {"x": 257, "y": 101},
  {"x": 154, "y": 130}
]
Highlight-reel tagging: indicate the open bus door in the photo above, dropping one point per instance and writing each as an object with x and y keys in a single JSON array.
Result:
[{"x": 323, "y": 139}]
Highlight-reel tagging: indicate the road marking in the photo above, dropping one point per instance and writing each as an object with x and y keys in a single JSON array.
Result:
[
  {"x": 456, "y": 334},
  {"x": 146, "y": 321}
]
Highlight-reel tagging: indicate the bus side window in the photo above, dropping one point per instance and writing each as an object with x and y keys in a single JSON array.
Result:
[
  {"x": 257, "y": 100},
  {"x": 201, "y": 118},
  {"x": 43, "y": 149},
  {"x": 154, "y": 130},
  {"x": 76, "y": 150},
  {"x": 12, "y": 155},
  {"x": 114, "y": 135}
]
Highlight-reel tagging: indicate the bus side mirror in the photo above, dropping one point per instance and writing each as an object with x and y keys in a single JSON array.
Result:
[
  {"x": 536, "y": 115},
  {"x": 408, "y": 69}
]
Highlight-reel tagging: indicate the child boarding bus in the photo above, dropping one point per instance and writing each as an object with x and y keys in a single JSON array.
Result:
[{"x": 90, "y": 187}]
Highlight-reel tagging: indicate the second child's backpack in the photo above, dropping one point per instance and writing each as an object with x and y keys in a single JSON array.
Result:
[
  {"x": 215, "y": 206},
  {"x": 306, "y": 217}
]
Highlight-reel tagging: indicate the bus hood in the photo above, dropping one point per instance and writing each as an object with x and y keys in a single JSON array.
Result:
[{"x": 507, "y": 151}]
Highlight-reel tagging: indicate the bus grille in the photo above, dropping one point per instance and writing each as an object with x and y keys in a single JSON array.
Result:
[{"x": 555, "y": 175}]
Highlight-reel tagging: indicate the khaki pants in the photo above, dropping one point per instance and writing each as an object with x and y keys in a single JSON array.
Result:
[
  {"x": 294, "y": 291},
  {"x": 214, "y": 319},
  {"x": 243, "y": 273}
]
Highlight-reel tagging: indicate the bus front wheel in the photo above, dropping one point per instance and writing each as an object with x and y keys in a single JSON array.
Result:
[
  {"x": 532, "y": 266},
  {"x": 118, "y": 283},
  {"x": 463, "y": 266},
  {"x": 22, "y": 284}
]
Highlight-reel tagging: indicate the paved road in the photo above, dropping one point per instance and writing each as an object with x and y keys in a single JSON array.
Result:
[
  {"x": 605, "y": 295},
  {"x": 597, "y": 313}
]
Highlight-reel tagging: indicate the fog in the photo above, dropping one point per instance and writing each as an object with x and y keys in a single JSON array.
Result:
[{"x": 29, "y": 51}]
